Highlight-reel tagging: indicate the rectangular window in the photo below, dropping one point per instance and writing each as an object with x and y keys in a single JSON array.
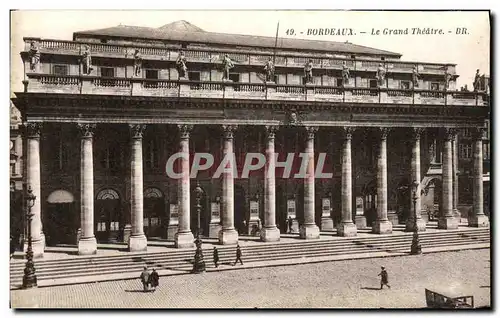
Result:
[
  {"x": 154, "y": 221},
  {"x": 276, "y": 79},
  {"x": 434, "y": 86},
  {"x": 466, "y": 132},
  {"x": 405, "y": 85},
  {"x": 235, "y": 77},
  {"x": 465, "y": 151},
  {"x": 152, "y": 74},
  {"x": 338, "y": 82},
  {"x": 151, "y": 154},
  {"x": 60, "y": 70},
  {"x": 114, "y": 226},
  {"x": 107, "y": 72},
  {"x": 194, "y": 76},
  {"x": 372, "y": 83},
  {"x": 101, "y": 227}
]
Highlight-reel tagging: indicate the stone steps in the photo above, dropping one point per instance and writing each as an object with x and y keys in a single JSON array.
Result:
[{"x": 181, "y": 260}]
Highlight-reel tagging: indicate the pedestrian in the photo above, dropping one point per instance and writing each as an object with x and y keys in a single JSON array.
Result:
[
  {"x": 145, "y": 279},
  {"x": 12, "y": 246},
  {"x": 154, "y": 279},
  {"x": 238, "y": 255},
  {"x": 216, "y": 257},
  {"x": 290, "y": 223},
  {"x": 384, "y": 278}
]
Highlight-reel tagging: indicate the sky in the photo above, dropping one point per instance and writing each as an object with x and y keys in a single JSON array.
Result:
[{"x": 469, "y": 51}]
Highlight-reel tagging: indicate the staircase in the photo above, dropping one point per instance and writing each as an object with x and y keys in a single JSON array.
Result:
[{"x": 61, "y": 271}]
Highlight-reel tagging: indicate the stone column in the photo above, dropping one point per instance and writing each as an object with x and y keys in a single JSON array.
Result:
[
  {"x": 33, "y": 181},
  {"x": 382, "y": 225},
  {"x": 228, "y": 234},
  {"x": 270, "y": 232},
  {"x": 309, "y": 230},
  {"x": 446, "y": 219},
  {"x": 87, "y": 244},
  {"x": 456, "y": 213},
  {"x": 478, "y": 218},
  {"x": 415, "y": 176},
  {"x": 346, "y": 226},
  {"x": 138, "y": 241},
  {"x": 184, "y": 237}
]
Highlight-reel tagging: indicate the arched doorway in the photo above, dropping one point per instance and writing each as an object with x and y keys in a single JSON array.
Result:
[
  {"x": 432, "y": 198},
  {"x": 108, "y": 216},
  {"x": 194, "y": 212},
  {"x": 62, "y": 221},
  {"x": 154, "y": 212}
]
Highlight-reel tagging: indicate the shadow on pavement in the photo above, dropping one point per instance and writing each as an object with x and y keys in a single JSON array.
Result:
[{"x": 370, "y": 288}]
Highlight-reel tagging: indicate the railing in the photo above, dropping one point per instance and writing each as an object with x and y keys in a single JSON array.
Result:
[
  {"x": 365, "y": 91},
  {"x": 46, "y": 83},
  {"x": 328, "y": 90},
  {"x": 209, "y": 55},
  {"x": 400, "y": 93},
  {"x": 59, "y": 80},
  {"x": 110, "y": 82},
  {"x": 432, "y": 94}
]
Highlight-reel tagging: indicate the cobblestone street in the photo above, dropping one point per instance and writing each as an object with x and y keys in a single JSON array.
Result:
[{"x": 351, "y": 283}]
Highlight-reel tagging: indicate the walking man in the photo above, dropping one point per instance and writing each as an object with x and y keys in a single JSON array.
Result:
[
  {"x": 155, "y": 279},
  {"x": 290, "y": 223},
  {"x": 238, "y": 255},
  {"x": 145, "y": 278},
  {"x": 384, "y": 278},
  {"x": 216, "y": 257}
]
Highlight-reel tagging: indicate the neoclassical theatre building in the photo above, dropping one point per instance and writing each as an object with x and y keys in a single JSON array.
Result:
[{"x": 103, "y": 113}]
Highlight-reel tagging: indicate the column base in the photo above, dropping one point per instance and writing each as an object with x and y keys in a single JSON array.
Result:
[
  {"x": 138, "y": 243},
  {"x": 347, "y": 229},
  {"x": 127, "y": 231},
  {"x": 382, "y": 227},
  {"x": 172, "y": 231},
  {"x": 309, "y": 231},
  {"x": 184, "y": 239},
  {"x": 214, "y": 229},
  {"x": 448, "y": 223},
  {"x": 228, "y": 236},
  {"x": 327, "y": 223},
  {"x": 410, "y": 225},
  {"x": 270, "y": 234},
  {"x": 479, "y": 221},
  {"x": 38, "y": 248},
  {"x": 360, "y": 221},
  {"x": 87, "y": 246}
]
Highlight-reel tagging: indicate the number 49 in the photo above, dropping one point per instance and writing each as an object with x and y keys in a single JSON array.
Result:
[{"x": 290, "y": 32}]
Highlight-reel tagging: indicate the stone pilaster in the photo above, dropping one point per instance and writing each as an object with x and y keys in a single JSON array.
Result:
[
  {"x": 33, "y": 181},
  {"x": 87, "y": 244},
  {"x": 309, "y": 230},
  {"x": 270, "y": 232},
  {"x": 456, "y": 213},
  {"x": 184, "y": 236},
  {"x": 415, "y": 176},
  {"x": 446, "y": 219},
  {"x": 346, "y": 226},
  {"x": 138, "y": 241},
  {"x": 382, "y": 225},
  {"x": 478, "y": 218},
  {"x": 228, "y": 235}
]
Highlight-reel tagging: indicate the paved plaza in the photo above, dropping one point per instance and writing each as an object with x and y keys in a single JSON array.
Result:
[{"x": 340, "y": 284}]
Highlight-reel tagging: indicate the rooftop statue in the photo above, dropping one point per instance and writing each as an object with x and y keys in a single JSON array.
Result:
[
  {"x": 308, "y": 67},
  {"x": 345, "y": 73},
  {"x": 34, "y": 55},
  {"x": 227, "y": 65},
  {"x": 381, "y": 72},
  {"x": 415, "y": 76},
  {"x": 181, "y": 65},
  {"x": 269, "y": 69},
  {"x": 137, "y": 63},
  {"x": 86, "y": 60}
]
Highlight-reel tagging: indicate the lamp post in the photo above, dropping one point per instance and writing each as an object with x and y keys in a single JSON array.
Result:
[
  {"x": 29, "y": 278},
  {"x": 199, "y": 263},
  {"x": 416, "y": 249}
]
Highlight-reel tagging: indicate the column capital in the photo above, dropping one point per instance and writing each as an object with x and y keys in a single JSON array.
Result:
[
  {"x": 348, "y": 131},
  {"x": 137, "y": 130},
  {"x": 185, "y": 130},
  {"x": 311, "y": 131},
  {"x": 86, "y": 130},
  {"x": 384, "y": 132},
  {"x": 477, "y": 133},
  {"x": 33, "y": 129},
  {"x": 449, "y": 133},
  {"x": 271, "y": 131},
  {"x": 416, "y": 132},
  {"x": 229, "y": 131}
]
